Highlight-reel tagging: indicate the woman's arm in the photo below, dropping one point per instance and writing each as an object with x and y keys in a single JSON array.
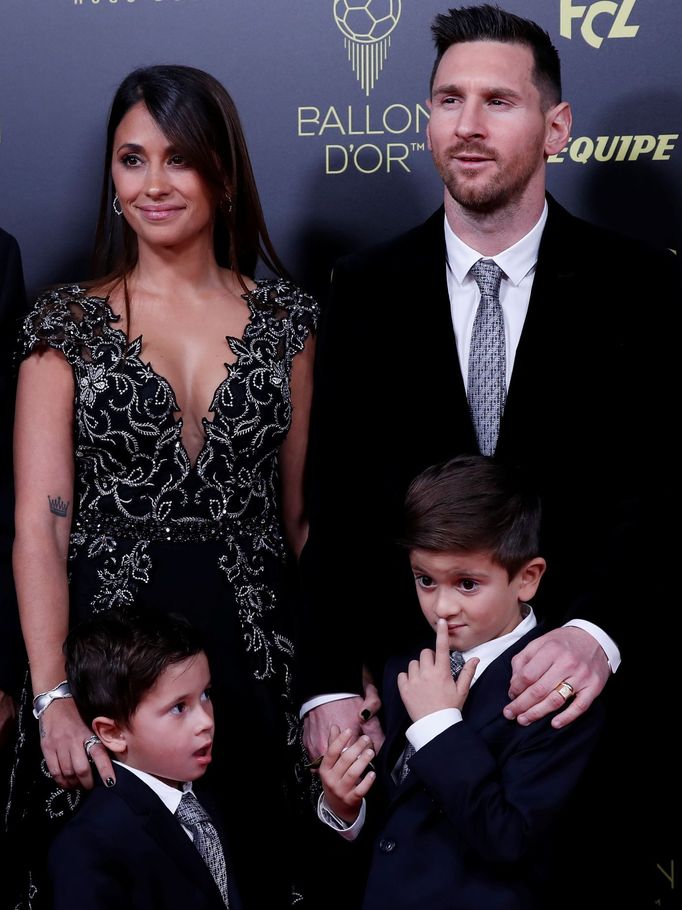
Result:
[
  {"x": 44, "y": 482},
  {"x": 294, "y": 448}
]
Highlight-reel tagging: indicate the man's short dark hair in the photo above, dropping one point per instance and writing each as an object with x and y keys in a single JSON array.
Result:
[
  {"x": 477, "y": 505},
  {"x": 114, "y": 658},
  {"x": 490, "y": 23}
]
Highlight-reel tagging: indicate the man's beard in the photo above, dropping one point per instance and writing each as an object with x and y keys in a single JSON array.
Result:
[{"x": 498, "y": 191}]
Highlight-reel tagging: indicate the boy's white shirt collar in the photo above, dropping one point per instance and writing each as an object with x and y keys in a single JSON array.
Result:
[
  {"x": 169, "y": 796},
  {"x": 489, "y": 650}
]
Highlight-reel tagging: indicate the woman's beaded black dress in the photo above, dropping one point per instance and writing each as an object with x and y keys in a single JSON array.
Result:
[{"x": 204, "y": 539}]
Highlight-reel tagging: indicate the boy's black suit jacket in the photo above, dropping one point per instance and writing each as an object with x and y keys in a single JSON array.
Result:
[
  {"x": 470, "y": 825},
  {"x": 124, "y": 848}
]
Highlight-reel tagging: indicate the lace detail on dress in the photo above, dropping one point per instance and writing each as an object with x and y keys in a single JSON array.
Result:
[{"x": 134, "y": 479}]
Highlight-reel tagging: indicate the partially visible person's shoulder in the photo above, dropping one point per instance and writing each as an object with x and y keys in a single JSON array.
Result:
[
  {"x": 403, "y": 248},
  {"x": 595, "y": 243},
  {"x": 7, "y": 240}
]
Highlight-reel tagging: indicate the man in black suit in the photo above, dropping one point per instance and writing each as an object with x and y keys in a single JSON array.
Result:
[{"x": 588, "y": 392}]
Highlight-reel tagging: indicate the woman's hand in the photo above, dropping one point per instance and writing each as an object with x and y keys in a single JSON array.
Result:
[{"x": 62, "y": 738}]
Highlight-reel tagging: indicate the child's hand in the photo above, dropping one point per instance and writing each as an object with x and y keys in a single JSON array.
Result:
[
  {"x": 428, "y": 685},
  {"x": 341, "y": 773}
]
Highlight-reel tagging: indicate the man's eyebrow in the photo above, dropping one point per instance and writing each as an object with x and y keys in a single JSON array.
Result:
[{"x": 494, "y": 91}]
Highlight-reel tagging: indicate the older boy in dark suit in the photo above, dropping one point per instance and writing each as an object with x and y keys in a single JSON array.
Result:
[
  {"x": 472, "y": 798},
  {"x": 146, "y": 843}
]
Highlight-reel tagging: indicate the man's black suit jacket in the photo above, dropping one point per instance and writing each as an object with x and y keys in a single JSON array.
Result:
[
  {"x": 124, "y": 848},
  {"x": 470, "y": 826},
  {"x": 588, "y": 414}
]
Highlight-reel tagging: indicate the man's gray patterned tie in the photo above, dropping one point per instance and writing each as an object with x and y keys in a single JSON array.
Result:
[
  {"x": 486, "y": 387},
  {"x": 196, "y": 819},
  {"x": 456, "y": 663}
]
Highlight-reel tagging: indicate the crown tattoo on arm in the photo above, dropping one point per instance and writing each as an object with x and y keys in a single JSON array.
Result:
[{"x": 58, "y": 506}]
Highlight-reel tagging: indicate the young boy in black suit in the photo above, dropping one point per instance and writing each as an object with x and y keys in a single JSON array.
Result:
[
  {"x": 142, "y": 683},
  {"x": 472, "y": 799}
]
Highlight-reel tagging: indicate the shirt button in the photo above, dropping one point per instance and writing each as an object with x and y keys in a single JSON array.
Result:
[{"x": 386, "y": 845}]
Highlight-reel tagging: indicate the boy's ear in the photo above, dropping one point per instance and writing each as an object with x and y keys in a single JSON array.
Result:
[
  {"x": 112, "y": 734},
  {"x": 530, "y": 576}
]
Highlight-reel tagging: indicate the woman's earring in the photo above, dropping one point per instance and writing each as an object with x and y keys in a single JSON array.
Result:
[
  {"x": 117, "y": 202},
  {"x": 226, "y": 203}
]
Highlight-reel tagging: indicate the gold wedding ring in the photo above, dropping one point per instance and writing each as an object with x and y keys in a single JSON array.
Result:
[{"x": 565, "y": 690}]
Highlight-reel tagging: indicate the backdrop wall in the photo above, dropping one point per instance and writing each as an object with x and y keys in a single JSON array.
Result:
[{"x": 334, "y": 114}]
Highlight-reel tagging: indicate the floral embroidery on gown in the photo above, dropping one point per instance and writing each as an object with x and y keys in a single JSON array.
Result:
[{"x": 151, "y": 527}]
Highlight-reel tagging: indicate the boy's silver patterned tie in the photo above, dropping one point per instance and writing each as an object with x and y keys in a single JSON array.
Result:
[
  {"x": 193, "y": 816},
  {"x": 456, "y": 663},
  {"x": 486, "y": 386}
]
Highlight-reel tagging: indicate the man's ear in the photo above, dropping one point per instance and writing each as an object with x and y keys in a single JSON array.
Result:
[
  {"x": 559, "y": 120},
  {"x": 530, "y": 576},
  {"x": 112, "y": 734}
]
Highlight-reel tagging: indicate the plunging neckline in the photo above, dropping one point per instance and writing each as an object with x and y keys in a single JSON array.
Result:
[{"x": 179, "y": 422}]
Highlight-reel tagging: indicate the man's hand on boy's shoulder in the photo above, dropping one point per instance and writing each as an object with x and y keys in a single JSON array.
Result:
[
  {"x": 566, "y": 655},
  {"x": 428, "y": 686}
]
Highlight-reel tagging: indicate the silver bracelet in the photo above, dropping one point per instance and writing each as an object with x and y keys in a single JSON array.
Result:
[{"x": 42, "y": 701}]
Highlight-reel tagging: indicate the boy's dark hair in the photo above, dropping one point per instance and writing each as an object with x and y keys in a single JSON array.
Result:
[
  {"x": 490, "y": 23},
  {"x": 474, "y": 504},
  {"x": 113, "y": 659}
]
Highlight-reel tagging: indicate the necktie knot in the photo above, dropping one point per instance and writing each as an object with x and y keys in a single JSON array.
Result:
[
  {"x": 190, "y": 812},
  {"x": 456, "y": 663},
  {"x": 488, "y": 276}
]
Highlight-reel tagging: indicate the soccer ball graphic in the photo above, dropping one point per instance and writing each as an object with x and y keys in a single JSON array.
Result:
[{"x": 366, "y": 21}]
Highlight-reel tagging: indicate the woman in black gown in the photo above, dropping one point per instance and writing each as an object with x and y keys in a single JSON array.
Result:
[{"x": 161, "y": 431}]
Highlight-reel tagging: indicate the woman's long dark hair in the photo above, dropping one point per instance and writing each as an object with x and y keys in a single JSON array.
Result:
[{"x": 199, "y": 118}]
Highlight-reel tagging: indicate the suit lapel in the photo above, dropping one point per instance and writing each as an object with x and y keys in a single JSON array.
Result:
[
  {"x": 395, "y": 736},
  {"x": 434, "y": 346},
  {"x": 165, "y": 829},
  {"x": 549, "y": 312}
]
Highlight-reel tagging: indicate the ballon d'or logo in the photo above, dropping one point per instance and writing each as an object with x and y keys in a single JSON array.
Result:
[{"x": 366, "y": 26}]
